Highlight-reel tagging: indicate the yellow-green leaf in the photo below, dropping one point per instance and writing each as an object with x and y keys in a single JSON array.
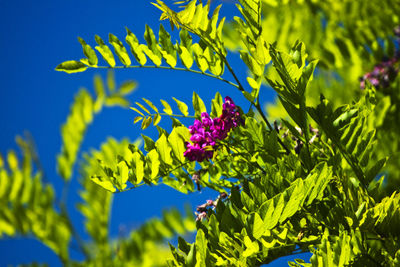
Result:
[
  {"x": 182, "y": 107},
  {"x": 106, "y": 184},
  {"x": 88, "y": 52},
  {"x": 137, "y": 119},
  {"x": 186, "y": 57},
  {"x": 154, "y": 163},
  {"x": 148, "y": 102},
  {"x": 139, "y": 167},
  {"x": 127, "y": 87},
  {"x": 120, "y": 50},
  {"x": 136, "y": 49},
  {"x": 164, "y": 150},
  {"x": 198, "y": 105},
  {"x": 146, "y": 122},
  {"x": 71, "y": 66},
  {"x": 156, "y": 119},
  {"x": 167, "y": 108},
  {"x": 154, "y": 57},
  {"x": 105, "y": 51},
  {"x": 123, "y": 174},
  {"x": 138, "y": 111},
  {"x": 143, "y": 107},
  {"x": 177, "y": 141}
]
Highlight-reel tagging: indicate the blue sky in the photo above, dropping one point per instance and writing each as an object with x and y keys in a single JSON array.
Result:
[{"x": 38, "y": 35}]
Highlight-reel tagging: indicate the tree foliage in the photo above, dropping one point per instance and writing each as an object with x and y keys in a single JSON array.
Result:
[{"x": 323, "y": 178}]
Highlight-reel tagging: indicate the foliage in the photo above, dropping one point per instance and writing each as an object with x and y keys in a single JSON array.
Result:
[
  {"x": 32, "y": 210},
  {"x": 323, "y": 178}
]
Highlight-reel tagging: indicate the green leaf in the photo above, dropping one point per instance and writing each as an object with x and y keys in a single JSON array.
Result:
[
  {"x": 167, "y": 108},
  {"x": 183, "y": 245},
  {"x": 182, "y": 107},
  {"x": 137, "y": 119},
  {"x": 123, "y": 175},
  {"x": 252, "y": 247},
  {"x": 177, "y": 139},
  {"x": 88, "y": 52},
  {"x": 185, "y": 56},
  {"x": 120, "y": 50},
  {"x": 105, "y": 51},
  {"x": 116, "y": 100},
  {"x": 319, "y": 178},
  {"x": 293, "y": 205},
  {"x": 278, "y": 208},
  {"x": 198, "y": 105},
  {"x": 216, "y": 105},
  {"x": 164, "y": 150},
  {"x": 152, "y": 50},
  {"x": 168, "y": 50},
  {"x": 148, "y": 102},
  {"x": 138, "y": 111},
  {"x": 186, "y": 39},
  {"x": 143, "y": 107},
  {"x": 201, "y": 60},
  {"x": 201, "y": 248},
  {"x": 71, "y": 66},
  {"x": 111, "y": 81},
  {"x": 178, "y": 258},
  {"x": 154, "y": 57},
  {"x": 127, "y": 87},
  {"x": 136, "y": 48},
  {"x": 146, "y": 122},
  {"x": 153, "y": 163},
  {"x": 106, "y": 184},
  {"x": 251, "y": 63},
  {"x": 139, "y": 167},
  {"x": 375, "y": 169},
  {"x": 149, "y": 144},
  {"x": 156, "y": 119},
  {"x": 258, "y": 226},
  {"x": 100, "y": 92}
]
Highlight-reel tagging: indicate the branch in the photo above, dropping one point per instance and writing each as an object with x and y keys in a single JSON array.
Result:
[{"x": 170, "y": 68}]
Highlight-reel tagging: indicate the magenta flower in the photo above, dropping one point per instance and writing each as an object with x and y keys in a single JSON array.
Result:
[
  {"x": 382, "y": 75},
  {"x": 208, "y": 130}
]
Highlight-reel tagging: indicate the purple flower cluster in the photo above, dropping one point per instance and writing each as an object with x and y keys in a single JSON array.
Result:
[
  {"x": 385, "y": 72},
  {"x": 206, "y": 132},
  {"x": 382, "y": 75}
]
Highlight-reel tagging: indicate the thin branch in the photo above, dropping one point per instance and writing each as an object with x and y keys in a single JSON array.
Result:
[
  {"x": 240, "y": 86},
  {"x": 79, "y": 241},
  {"x": 170, "y": 68},
  {"x": 171, "y": 115},
  {"x": 257, "y": 105},
  {"x": 154, "y": 179}
]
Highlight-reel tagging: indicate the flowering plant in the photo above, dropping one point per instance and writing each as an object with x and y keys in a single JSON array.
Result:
[
  {"x": 321, "y": 181},
  {"x": 206, "y": 132}
]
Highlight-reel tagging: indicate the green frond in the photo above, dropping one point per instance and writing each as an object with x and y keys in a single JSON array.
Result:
[
  {"x": 82, "y": 112},
  {"x": 251, "y": 12},
  {"x": 253, "y": 229},
  {"x": 149, "y": 239},
  {"x": 343, "y": 250},
  {"x": 346, "y": 128},
  {"x": 29, "y": 205},
  {"x": 154, "y": 51},
  {"x": 330, "y": 29},
  {"x": 149, "y": 117},
  {"x": 164, "y": 158}
]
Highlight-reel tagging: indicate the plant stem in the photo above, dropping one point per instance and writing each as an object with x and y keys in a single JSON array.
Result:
[
  {"x": 257, "y": 105},
  {"x": 170, "y": 68},
  {"x": 172, "y": 115},
  {"x": 78, "y": 239}
]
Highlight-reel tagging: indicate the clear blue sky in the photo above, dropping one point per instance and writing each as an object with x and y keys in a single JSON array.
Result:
[{"x": 38, "y": 35}]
